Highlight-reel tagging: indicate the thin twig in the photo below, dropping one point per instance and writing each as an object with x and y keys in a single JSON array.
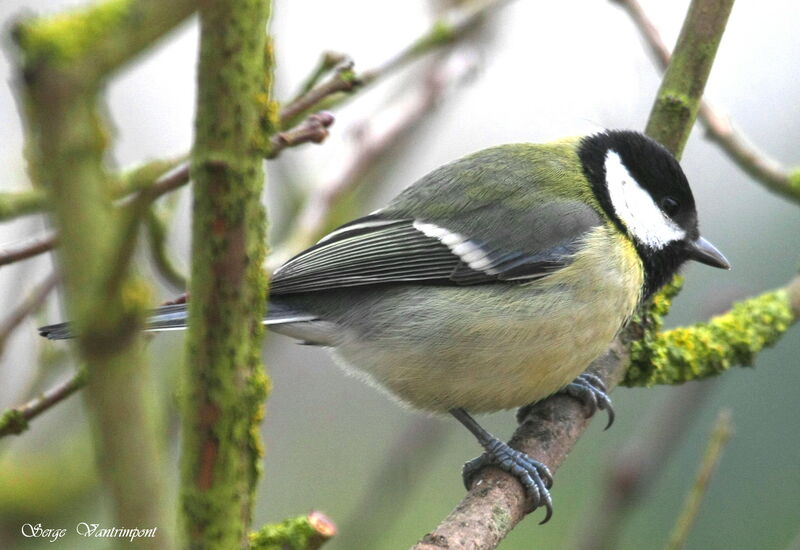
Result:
[
  {"x": 24, "y": 251},
  {"x": 314, "y": 129},
  {"x": 716, "y": 443},
  {"x": 157, "y": 241},
  {"x": 327, "y": 62},
  {"x": 394, "y": 482},
  {"x": 371, "y": 148},
  {"x": 309, "y": 532},
  {"x": 637, "y": 466},
  {"x": 344, "y": 80},
  {"x": 795, "y": 544},
  {"x": 338, "y": 88},
  {"x": 718, "y": 127},
  {"x": 15, "y": 421},
  {"x": 29, "y": 305},
  {"x": 168, "y": 181}
]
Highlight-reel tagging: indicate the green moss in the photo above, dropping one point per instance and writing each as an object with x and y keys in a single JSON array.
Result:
[
  {"x": 439, "y": 34},
  {"x": 707, "y": 349},
  {"x": 223, "y": 382},
  {"x": 292, "y": 534},
  {"x": 12, "y": 421},
  {"x": 676, "y": 103},
  {"x": 157, "y": 241},
  {"x": 794, "y": 180},
  {"x": 19, "y": 204},
  {"x": 143, "y": 176},
  {"x": 501, "y": 519},
  {"x": 269, "y": 121},
  {"x": 68, "y": 36}
]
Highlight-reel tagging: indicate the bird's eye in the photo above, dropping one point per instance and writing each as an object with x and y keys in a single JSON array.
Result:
[{"x": 670, "y": 206}]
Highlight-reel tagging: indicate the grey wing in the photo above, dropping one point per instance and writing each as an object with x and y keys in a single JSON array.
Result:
[{"x": 380, "y": 250}]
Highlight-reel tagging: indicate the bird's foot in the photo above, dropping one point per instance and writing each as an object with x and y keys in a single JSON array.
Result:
[
  {"x": 534, "y": 476},
  {"x": 590, "y": 390}
]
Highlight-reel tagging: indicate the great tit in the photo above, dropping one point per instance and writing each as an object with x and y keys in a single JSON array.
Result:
[{"x": 492, "y": 282}]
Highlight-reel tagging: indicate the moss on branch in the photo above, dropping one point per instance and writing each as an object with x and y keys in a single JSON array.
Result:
[
  {"x": 13, "y": 205},
  {"x": 709, "y": 348},
  {"x": 63, "y": 62},
  {"x": 90, "y": 42},
  {"x": 794, "y": 181},
  {"x": 302, "y": 533},
  {"x": 223, "y": 383},
  {"x": 678, "y": 98},
  {"x": 66, "y": 37}
]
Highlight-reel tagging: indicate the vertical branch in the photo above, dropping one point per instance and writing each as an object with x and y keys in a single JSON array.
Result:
[
  {"x": 678, "y": 98},
  {"x": 224, "y": 384},
  {"x": 63, "y": 63}
]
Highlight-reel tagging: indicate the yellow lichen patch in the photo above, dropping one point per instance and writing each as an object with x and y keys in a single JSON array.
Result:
[
  {"x": 706, "y": 349},
  {"x": 67, "y": 36}
]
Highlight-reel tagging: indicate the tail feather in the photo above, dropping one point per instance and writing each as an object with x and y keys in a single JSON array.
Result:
[
  {"x": 174, "y": 317},
  {"x": 61, "y": 331}
]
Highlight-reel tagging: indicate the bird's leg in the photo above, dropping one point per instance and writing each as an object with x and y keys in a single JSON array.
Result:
[
  {"x": 587, "y": 388},
  {"x": 534, "y": 476}
]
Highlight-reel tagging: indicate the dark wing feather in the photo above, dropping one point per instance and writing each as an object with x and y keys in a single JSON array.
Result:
[
  {"x": 502, "y": 214},
  {"x": 373, "y": 250}
]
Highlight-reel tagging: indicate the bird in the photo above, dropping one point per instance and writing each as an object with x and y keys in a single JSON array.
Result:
[{"x": 492, "y": 282}]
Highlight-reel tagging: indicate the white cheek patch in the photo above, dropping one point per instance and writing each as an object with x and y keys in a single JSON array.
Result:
[
  {"x": 643, "y": 219},
  {"x": 470, "y": 253}
]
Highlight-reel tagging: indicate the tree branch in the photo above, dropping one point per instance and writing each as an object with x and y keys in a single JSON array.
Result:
[
  {"x": 224, "y": 383},
  {"x": 722, "y": 431},
  {"x": 157, "y": 241},
  {"x": 447, "y": 30},
  {"x": 314, "y": 129},
  {"x": 706, "y": 349},
  {"x": 327, "y": 62},
  {"x": 718, "y": 128},
  {"x": 496, "y": 502},
  {"x": 28, "y": 250},
  {"x": 680, "y": 92},
  {"x": 15, "y": 421},
  {"x": 63, "y": 61},
  {"x": 309, "y": 532},
  {"x": 14, "y": 205},
  {"x": 28, "y": 306}
]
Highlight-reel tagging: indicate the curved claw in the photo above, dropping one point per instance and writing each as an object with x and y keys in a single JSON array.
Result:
[
  {"x": 590, "y": 390},
  {"x": 594, "y": 380},
  {"x": 534, "y": 476}
]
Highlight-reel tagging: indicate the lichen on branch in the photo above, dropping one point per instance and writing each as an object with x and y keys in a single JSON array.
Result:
[
  {"x": 706, "y": 349},
  {"x": 223, "y": 381},
  {"x": 302, "y": 533}
]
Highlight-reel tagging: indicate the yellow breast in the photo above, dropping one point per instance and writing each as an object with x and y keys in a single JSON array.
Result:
[{"x": 493, "y": 347}]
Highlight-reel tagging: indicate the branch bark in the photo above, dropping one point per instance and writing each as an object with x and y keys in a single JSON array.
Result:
[
  {"x": 15, "y": 421},
  {"x": 224, "y": 383},
  {"x": 28, "y": 306},
  {"x": 680, "y": 93}
]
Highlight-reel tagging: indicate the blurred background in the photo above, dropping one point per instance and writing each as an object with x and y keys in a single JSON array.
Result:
[{"x": 387, "y": 475}]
